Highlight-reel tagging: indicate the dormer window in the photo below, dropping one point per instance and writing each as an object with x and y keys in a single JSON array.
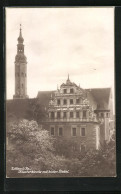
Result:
[
  {"x": 84, "y": 114},
  {"x": 64, "y": 101},
  {"x": 58, "y": 101},
  {"x": 71, "y": 90},
  {"x": 71, "y": 114},
  {"x": 102, "y": 115},
  {"x": 52, "y": 115},
  {"x": 64, "y": 115},
  {"x": 71, "y": 101},
  {"x": 77, "y": 114},
  {"x": 58, "y": 115},
  {"x": 77, "y": 101},
  {"x": 107, "y": 115},
  {"x": 65, "y": 91}
]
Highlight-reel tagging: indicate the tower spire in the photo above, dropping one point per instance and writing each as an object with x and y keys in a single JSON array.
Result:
[
  {"x": 20, "y": 38},
  {"x": 68, "y": 80},
  {"x": 20, "y": 70},
  {"x": 20, "y": 31}
]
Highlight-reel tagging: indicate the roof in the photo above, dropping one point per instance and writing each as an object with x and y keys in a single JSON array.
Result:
[
  {"x": 101, "y": 96},
  {"x": 100, "y": 93},
  {"x": 44, "y": 97}
]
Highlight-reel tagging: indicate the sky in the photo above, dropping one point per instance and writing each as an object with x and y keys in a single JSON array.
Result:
[{"x": 61, "y": 41}]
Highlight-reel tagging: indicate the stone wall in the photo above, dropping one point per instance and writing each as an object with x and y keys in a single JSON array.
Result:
[{"x": 89, "y": 140}]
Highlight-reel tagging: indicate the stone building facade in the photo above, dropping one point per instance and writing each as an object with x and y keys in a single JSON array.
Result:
[
  {"x": 20, "y": 70},
  {"x": 76, "y": 113}
]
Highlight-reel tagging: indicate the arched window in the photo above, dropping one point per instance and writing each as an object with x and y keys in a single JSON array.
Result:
[{"x": 22, "y": 85}]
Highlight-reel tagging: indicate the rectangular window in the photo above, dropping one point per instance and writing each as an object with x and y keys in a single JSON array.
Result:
[
  {"x": 60, "y": 131},
  {"x": 77, "y": 114},
  {"x": 71, "y": 91},
  {"x": 84, "y": 113},
  {"x": 64, "y": 115},
  {"x": 73, "y": 131},
  {"x": 58, "y": 101},
  {"x": 71, "y": 114},
  {"x": 107, "y": 115},
  {"x": 52, "y": 115},
  {"x": 65, "y": 91},
  {"x": 83, "y": 131},
  {"x": 102, "y": 115},
  {"x": 77, "y": 101},
  {"x": 82, "y": 148},
  {"x": 64, "y": 101},
  {"x": 71, "y": 101},
  {"x": 58, "y": 115},
  {"x": 52, "y": 131}
]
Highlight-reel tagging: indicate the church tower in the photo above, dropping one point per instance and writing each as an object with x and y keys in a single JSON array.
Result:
[{"x": 20, "y": 70}]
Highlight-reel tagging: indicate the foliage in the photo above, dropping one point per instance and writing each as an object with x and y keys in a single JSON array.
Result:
[
  {"x": 68, "y": 148},
  {"x": 100, "y": 162},
  {"x": 30, "y": 146},
  {"x": 35, "y": 111},
  {"x": 93, "y": 163}
]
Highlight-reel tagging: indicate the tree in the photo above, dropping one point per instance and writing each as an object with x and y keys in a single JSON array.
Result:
[
  {"x": 100, "y": 162},
  {"x": 35, "y": 111},
  {"x": 29, "y": 146}
]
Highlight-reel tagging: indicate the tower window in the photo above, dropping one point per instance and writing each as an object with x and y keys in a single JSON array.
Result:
[
  {"x": 58, "y": 101},
  {"x": 73, "y": 131},
  {"x": 71, "y": 91},
  {"x": 84, "y": 113},
  {"x": 22, "y": 74},
  {"x": 65, "y": 91},
  {"x": 64, "y": 101},
  {"x": 18, "y": 74},
  {"x": 58, "y": 115},
  {"x": 22, "y": 85},
  {"x": 52, "y": 131},
  {"x": 82, "y": 131},
  {"x": 52, "y": 115},
  {"x": 60, "y": 131},
  {"x": 77, "y": 114},
  {"x": 71, "y": 114},
  {"x": 71, "y": 101}
]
